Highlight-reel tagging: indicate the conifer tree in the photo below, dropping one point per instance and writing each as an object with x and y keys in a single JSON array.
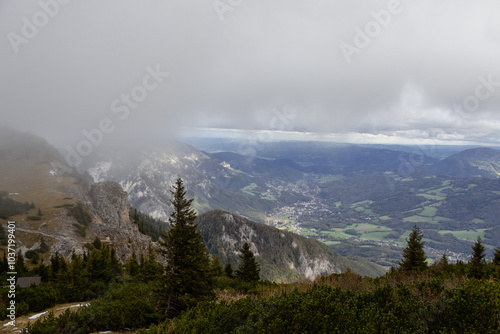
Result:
[
  {"x": 248, "y": 271},
  {"x": 228, "y": 269},
  {"x": 132, "y": 265},
  {"x": 188, "y": 276},
  {"x": 496, "y": 256},
  {"x": 477, "y": 263},
  {"x": 413, "y": 254},
  {"x": 216, "y": 266},
  {"x": 20, "y": 266}
]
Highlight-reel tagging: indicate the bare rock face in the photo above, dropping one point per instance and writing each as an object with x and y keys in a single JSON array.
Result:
[
  {"x": 110, "y": 210},
  {"x": 108, "y": 206},
  {"x": 111, "y": 204}
]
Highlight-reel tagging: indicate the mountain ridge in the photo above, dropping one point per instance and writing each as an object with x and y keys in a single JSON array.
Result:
[{"x": 284, "y": 256}]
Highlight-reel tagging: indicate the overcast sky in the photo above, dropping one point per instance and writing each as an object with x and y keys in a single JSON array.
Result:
[{"x": 408, "y": 70}]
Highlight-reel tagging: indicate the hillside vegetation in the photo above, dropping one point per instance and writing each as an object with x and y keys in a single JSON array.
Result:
[{"x": 284, "y": 256}]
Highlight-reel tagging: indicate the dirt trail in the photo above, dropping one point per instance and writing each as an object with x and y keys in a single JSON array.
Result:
[{"x": 22, "y": 321}]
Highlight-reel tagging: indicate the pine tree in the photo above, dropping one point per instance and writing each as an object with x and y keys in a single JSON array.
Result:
[
  {"x": 216, "y": 266},
  {"x": 413, "y": 254},
  {"x": 132, "y": 266},
  {"x": 188, "y": 276},
  {"x": 248, "y": 271},
  {"x": 477, "y": 263},
  {"x": 150, "y": 269},
  {"x": 496, "y": 256},
  {"x": 20, "y": 266},
  {"x": 228, "y": 269}
]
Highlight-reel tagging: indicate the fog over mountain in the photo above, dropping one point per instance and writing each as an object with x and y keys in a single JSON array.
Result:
[{"x": 369, "y": 70}]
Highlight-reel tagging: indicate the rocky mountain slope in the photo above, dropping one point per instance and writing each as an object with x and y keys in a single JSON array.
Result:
[
  {"x": 283, "y": 256},
  {"x": 68, "y": 211},
  {"x": 147, "y": 174}
]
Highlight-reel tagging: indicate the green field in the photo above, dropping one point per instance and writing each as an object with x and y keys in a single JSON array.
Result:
[
  {"x": 305, "y": 231},
  {"x": 338, "y": 234},
  {"x": 374, "y": 236},
  {"x": 429, "y": 211},
  {"x": 248, "y": 189},
  {"x": 267, "y": 196},
  {"x": 418, "y": 219},
  {"x": 469, "y": 234}
]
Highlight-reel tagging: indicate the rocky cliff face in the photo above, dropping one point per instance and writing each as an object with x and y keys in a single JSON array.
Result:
[
  {"x": 110, "y": 209},
  {"x": 108, "y": 206},
  {"x": 33, "y": 171},
  {"x": 283, "y": 256}
]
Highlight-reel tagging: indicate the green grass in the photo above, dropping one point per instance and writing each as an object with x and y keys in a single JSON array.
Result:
[
  {"x": 429, "y": 211},
  {"x": 374, "y": 236},
  {"x": 267, "y": 196},
  {"x": 361, "y": 203},
  {"x": 366, "y": 227},
  {"x": 466, "y": 234},
  {"x": 337, "y": 234},
  {"x": 439, "y": 191},
  {"x": 418, "y": 219},
  {"x": 333, "y": 242},
  {"x": 305, "y": 231},
  {"x": 248, "y": 189},
  {"x": 432, "y": 196}
]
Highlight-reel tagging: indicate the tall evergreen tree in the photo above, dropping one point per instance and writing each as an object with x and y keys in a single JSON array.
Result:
[
  {"x": 216, "y": 266},
  {"x": 188, "y": 276},
  {"x": 228, "y": 269},
  {"x": 413, "y": 254},
  {"x": 248, "y": 271},
  {"x": 477, "y": 263},
  {"x": 132, "y": 265},
  {"x": 496, "y": 257}
]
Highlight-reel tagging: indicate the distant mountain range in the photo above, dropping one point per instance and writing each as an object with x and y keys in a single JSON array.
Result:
[
  {"x": 70, "y": 210},
  {"x": 360, "y": 200},
  {"x": 477, "y": 162}
]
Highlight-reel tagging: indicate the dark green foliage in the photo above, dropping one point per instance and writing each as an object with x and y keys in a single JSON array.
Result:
[
  {"x": 188, "y": 278},
  {"x": 81, "y": 279},
  {"x": 34, "y": 218},
  {"x": 413, "y": 254},
  {"x": 33, "y": 256},
  {"x": 108, "y": 312},
  {"x": 43, "y": 248},
  {"x": 216, "y": 266},
  {"x": 228, "y": 269},
  {"x": 10, "y": 207},
  {"x": 277, "y": 248},
  {"x": 248, "y": 270},
  {"x": 496, "y": 256},
  {"x": 150, "y": 269},
  {"x": 20, "y": 266},
  {"x": 40, "y": 212},
  {"x": 419, "y": 308},
  {"x": 477, "y": 263},
  {"x": 148, "y": 225},
  {"x": 133, "y": 266},
  {"x": 97, "y": 243},
  {"x": 79, "y": 213}
]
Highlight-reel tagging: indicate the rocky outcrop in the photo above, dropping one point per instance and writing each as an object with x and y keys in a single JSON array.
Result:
[
  {"x": 111, "y": 223},
  {"x": 283, "y": 256}
]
